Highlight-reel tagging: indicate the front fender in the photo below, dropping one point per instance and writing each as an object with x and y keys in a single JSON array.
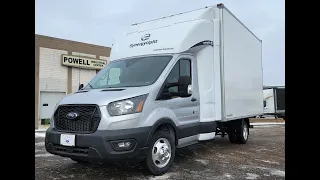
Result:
[
  {"x": 158, "y": 124},
  {"x": 158, "y": 117}
]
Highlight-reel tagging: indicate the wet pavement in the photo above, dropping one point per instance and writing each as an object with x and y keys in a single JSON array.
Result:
[{"x": 263, "y": 157}]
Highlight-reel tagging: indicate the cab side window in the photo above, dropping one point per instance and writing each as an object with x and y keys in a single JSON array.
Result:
[{"x": 182, "y": 68}]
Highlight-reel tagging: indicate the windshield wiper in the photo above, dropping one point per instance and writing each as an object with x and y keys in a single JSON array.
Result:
[{"x": 90, "y": 85}]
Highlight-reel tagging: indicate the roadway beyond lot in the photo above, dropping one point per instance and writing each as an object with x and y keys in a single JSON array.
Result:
[{"x": 263, "y": 157}]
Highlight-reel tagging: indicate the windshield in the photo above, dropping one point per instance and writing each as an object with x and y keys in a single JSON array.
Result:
[{"x": 134, "y": 72}]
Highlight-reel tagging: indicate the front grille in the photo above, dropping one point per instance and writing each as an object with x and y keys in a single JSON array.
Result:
[
  {"x": 87, "y": 121},
  {"x": 75, "y": 150}
]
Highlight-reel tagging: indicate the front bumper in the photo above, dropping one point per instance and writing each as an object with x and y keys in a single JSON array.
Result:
[{"x": 97, "y": 146}]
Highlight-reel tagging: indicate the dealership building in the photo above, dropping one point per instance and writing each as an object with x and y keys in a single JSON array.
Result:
[{"x": 60, "y": 67}]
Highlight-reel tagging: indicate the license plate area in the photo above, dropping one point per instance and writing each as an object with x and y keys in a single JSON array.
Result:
[{"x": 68, "y": 139}]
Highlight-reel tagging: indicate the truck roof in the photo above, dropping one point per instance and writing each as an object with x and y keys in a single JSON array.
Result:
[
  {"x": 200, "y": 14},
  {"x": 218, "y": 5}
]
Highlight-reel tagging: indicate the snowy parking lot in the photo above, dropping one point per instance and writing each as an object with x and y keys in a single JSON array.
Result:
[{"x": 263, "y": 157}]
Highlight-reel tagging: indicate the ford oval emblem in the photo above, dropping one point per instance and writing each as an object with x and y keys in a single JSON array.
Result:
[
  {"x": 72, "y": 115},
  {"x": 145, "y": 37}
]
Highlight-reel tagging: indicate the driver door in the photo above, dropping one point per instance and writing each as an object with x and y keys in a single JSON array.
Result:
[{"x": 186, "y": 109}]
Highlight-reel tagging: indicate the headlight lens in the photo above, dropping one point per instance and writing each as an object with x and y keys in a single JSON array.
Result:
[{"x": 127, "y": 106}]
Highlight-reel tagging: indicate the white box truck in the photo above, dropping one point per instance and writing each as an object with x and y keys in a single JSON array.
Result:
[
  {"x": 274, "y": 101},
  {"x": 170, "y": 83}
]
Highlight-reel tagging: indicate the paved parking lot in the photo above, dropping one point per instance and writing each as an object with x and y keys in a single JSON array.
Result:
[{"x": 263, "y": 157}]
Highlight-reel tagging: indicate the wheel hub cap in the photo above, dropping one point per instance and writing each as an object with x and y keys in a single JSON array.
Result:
[
  {"x": 161, "y": 152},
  {"x": 245, "y": 132}
]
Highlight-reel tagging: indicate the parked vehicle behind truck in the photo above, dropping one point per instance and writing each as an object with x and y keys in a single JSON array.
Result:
[
  {"x": 170, "y": 83},
  {"x": 274, "y": 101}
]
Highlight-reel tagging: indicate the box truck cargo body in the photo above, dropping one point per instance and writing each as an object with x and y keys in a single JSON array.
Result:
[
  {"x": 170, "y": 83},
  {"x": 274, "y": 101}
]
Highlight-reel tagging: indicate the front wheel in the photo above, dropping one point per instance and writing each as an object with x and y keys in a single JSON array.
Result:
[{"x": 161, "y": 153}]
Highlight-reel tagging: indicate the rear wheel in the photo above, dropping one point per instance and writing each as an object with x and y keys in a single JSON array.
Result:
[
  {"x": 232, "y": 136},
  {"x": 243, "y": 133},
  {"x": 161, "y": 153},
  {"x": 238, "y": 131}
]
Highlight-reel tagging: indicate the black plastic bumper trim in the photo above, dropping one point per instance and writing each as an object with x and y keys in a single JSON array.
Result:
[{"x": 99, "y": 144}]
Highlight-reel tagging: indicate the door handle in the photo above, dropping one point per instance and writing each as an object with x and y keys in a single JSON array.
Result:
[{"x": 193, "y": 99}]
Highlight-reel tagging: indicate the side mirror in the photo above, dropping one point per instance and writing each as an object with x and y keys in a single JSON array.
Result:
[
  {"x": 80, "y": 87},
  {"x": 184, "y": 85},
  {"x": 184, "y": 81}
]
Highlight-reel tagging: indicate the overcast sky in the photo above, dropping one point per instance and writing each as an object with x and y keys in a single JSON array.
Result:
[{"x": 99, "y": 21}]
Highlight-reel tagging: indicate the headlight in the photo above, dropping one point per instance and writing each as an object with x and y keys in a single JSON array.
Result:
[{"x": 127, "y": 106}]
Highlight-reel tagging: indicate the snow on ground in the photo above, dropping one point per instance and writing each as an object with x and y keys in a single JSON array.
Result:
[
  {"x": 38, "y": 134},
  {"x": 204, "y": 162},
  {"x": 41, "y": 130},
  {"x": 39, "y": 144},
  {"x": 266, "y": 161},
  {"x": 270, "y": 171},
  {"x": 43, "y": 155},
  {"x": 252, "y": 176},
  {"x": 162, "y": 177},
  {"x": 227, "y": 175}
]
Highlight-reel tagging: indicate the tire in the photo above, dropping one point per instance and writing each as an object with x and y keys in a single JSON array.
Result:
[
  {"x": 242, "y": 133},
  {"x": 232, "y": 136},
  {"x": 161, "y": 139}
]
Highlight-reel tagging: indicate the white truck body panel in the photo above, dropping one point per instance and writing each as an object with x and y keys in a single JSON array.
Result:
[
  {"x": 242, "y": 58},
  {"x": 229, "y": 72}
]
